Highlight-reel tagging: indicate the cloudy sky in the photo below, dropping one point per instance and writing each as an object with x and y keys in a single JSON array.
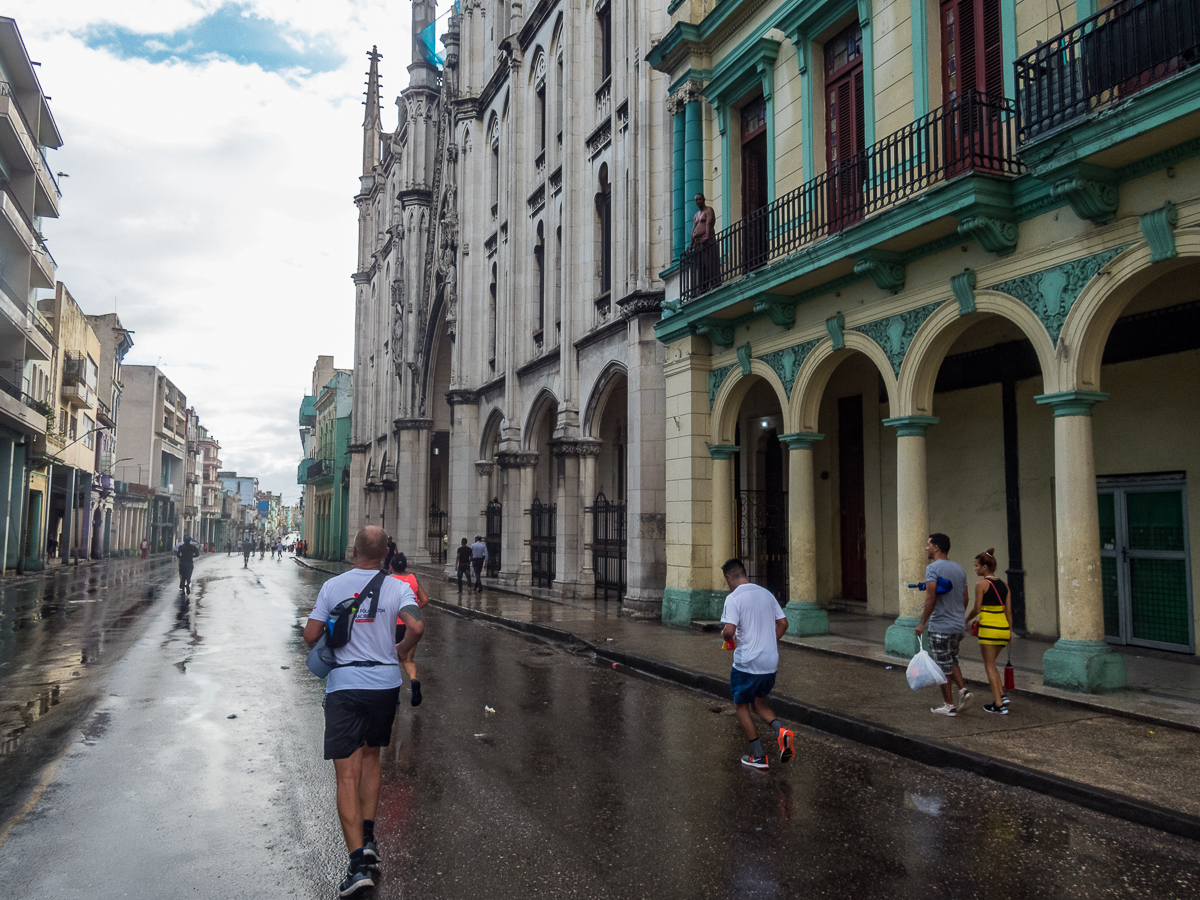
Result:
[{"x": 212, "y": 151}]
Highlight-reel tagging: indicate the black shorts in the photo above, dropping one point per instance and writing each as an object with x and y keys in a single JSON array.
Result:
[{"x": 355, "y": 718}]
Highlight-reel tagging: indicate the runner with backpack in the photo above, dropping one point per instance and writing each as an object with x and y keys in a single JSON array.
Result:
[{"x": 353, "y": 628}]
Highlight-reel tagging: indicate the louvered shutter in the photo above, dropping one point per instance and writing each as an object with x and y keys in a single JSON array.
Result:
[{"x": 992, "y": 82}]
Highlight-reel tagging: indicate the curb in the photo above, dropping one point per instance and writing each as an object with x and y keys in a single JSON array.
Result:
[{"x": 922, "y": 750}]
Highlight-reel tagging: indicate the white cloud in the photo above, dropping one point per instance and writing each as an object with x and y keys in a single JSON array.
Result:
[{"x": 210, "y": 204}]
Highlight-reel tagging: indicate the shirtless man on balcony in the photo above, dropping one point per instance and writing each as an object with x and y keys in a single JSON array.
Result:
[{"x": 705, "y": 260}]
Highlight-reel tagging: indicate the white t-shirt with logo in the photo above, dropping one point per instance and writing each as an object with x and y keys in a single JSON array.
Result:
[
  {"x": 370, "y": 639},
  {"x": 754, "y": 611}
]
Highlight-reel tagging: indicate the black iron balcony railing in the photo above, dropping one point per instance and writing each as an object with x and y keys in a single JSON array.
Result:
[
  {"x": 973, "y": 133},
  {"x": 1103, "y": 59}
]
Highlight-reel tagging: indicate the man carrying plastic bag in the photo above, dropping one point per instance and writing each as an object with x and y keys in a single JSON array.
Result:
[
  {"x": 945, "y": 617},
  {"x": 923, "y": 671}
]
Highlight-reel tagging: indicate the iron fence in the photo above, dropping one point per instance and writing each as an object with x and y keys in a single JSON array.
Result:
[
  {"x": 492, "y": 535},
  {"x": 1104, "y": 58},
  {"x": 435, "y": 541},
  {"x": 763, "y": 539},
  {"x": 972, "y": 133},
  {"x": 543, "y": 537},
  {"x": 609, "y": 546}
]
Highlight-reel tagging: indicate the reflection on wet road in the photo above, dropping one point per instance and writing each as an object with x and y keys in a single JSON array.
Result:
[{"x": 199, "y": 774}]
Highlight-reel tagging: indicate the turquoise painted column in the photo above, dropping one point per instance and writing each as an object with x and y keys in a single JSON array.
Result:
[
  {"x": 1080, "y": 660},
  {"x": 677, "y": 172},
  {"x": 694, "y": 163},
  {"x": 805, "y": 615},
  {"x": 912, "y": 530}
]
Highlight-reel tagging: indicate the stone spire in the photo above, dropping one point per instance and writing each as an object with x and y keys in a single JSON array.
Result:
[
  {"x": 372, "y": 124},
  {"x": 424, "y": 12}
]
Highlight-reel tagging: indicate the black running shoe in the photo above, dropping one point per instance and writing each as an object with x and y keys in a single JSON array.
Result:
[
  {"x": 355, "y": 881},
  {"x": 416, "y": 693},
  {"x": 371, "y": 855}
]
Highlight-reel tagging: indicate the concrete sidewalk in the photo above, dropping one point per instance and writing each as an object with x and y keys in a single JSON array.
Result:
[{"x": 1134, "y": 755}]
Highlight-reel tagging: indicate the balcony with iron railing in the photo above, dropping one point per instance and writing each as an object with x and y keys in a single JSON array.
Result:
[
  {"x": 972, "y": 135},
  {"x": 1103, "y": 60},
  {"x": 20, "y": 131},
  {"x": 75, "y": 389}
]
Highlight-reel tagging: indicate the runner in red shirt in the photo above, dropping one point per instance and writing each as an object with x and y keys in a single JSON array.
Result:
[{"x": 401, "y": 573}]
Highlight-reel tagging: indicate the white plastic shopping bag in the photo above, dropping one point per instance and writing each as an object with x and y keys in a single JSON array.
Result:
[{"x": 923, "y": 671}]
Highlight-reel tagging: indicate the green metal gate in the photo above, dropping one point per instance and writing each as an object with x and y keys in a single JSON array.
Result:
[{"x": 1145, "y": 564}]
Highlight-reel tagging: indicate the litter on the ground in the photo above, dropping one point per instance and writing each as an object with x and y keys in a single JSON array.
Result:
[{"x": 489, "y": 710}]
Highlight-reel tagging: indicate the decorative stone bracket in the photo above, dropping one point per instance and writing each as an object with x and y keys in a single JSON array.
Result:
[
  {"x": 994, "y": 235},
  {"x": 1091, "y": 191},
  {"x": 1158, "y": 227},
  {"x": 719, "y": 334},
  {"x": 781, "y": 313},
  {"x": 884, "y": 267},
  {"x": 962, "y": 286},
  {"x": 836, "y": 325},
  {"x": 743, "y": 358}
]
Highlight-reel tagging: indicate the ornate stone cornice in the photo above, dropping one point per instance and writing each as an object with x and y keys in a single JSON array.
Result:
[
  {"x": 412, "y": 424},
  {"x": 641, "y": 303},
  {"x": 517, "y": 459},
  {"x": 359, "y": 448},
  {"x": 575, "y": 447},
  {"x": 484, "y": 468},
  {"x": 461, "y": 397}
]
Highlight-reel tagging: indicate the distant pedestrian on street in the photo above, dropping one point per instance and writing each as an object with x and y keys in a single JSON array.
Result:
[
  {"x": 247, "y": 549},
  {"x": 228, "y": 548},
  {"x": 479, "y": 558},
  {"x": 391, "y": 552},
  {"x": 362, "y": 692},
  {"x": 993, "y": 605},
  {"x": 754, "y": 623},
  {"x": 944, "y": 617},
  {"x": 145, "y": 547},
  {"x": 401, "y": 573},
  {"x": 462, "y": 563},
  {"x": 186, "y": 551}
]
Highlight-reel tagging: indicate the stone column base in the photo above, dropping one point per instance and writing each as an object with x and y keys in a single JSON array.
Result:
[
  {"x": 642, "y": 605},
  {"x": 806, "y": 619},
  {"x": 901, "y": 638},
  {"x": 1089, "y": 667},
  {"x": 680, "y": 607}
]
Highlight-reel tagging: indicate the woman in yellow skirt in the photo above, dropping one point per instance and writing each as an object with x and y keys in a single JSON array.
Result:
[{"x": 994, "y": 608}]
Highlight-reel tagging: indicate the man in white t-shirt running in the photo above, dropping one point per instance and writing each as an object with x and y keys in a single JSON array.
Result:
[
  {"x": 362, "y": 691},
  {"x": 754, "y": 623}
]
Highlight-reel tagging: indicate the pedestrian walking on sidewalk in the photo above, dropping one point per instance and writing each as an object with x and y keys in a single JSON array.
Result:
[
  {"x": 754, "y": 623},
  {"x": 400, "y": 573},
  {"x": 362, "y": 691},
  {"x": 993, "y": 605},
  {"x": 462, "y": 563},
  {"x": 145, "y": 547},
  {"x": 479, "y": 558},
  {"x": 247, "y": 549},
  {"x": 944, "y": 617},
  {"x": 391, "y": 552}
]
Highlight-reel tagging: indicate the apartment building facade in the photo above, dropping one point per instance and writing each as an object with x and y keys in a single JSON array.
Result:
[{"x": 952, "y": 288}]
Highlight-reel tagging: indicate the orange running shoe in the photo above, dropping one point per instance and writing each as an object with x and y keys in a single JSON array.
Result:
[{"x": 786, "y": 750}]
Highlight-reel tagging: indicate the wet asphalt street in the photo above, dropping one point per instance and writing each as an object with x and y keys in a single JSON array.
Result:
[{"x": 158, "y": 746}]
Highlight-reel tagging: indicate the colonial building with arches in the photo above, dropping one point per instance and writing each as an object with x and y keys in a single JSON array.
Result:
[
  {"x": 955, "y": 287},
  {"x": 508, "y": 381}
]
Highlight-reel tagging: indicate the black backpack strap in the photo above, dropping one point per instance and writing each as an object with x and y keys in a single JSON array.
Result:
[{"x": 372, "y": 589}]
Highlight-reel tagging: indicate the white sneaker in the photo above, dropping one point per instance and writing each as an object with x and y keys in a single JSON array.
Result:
[
  {"x": 944, "y": 710},
  {"x": 965, "y": 699}
]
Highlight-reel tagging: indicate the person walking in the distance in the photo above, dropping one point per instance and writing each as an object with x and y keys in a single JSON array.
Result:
[
  {"x": 362, "y": 691},
  {"x": 462, "y": 563},
  {"x": 247, "y": 549},
  {"x": 944, "y": 617},
  {"x": 754, "y": 622},
  {"x": 479, "y": 558}
]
